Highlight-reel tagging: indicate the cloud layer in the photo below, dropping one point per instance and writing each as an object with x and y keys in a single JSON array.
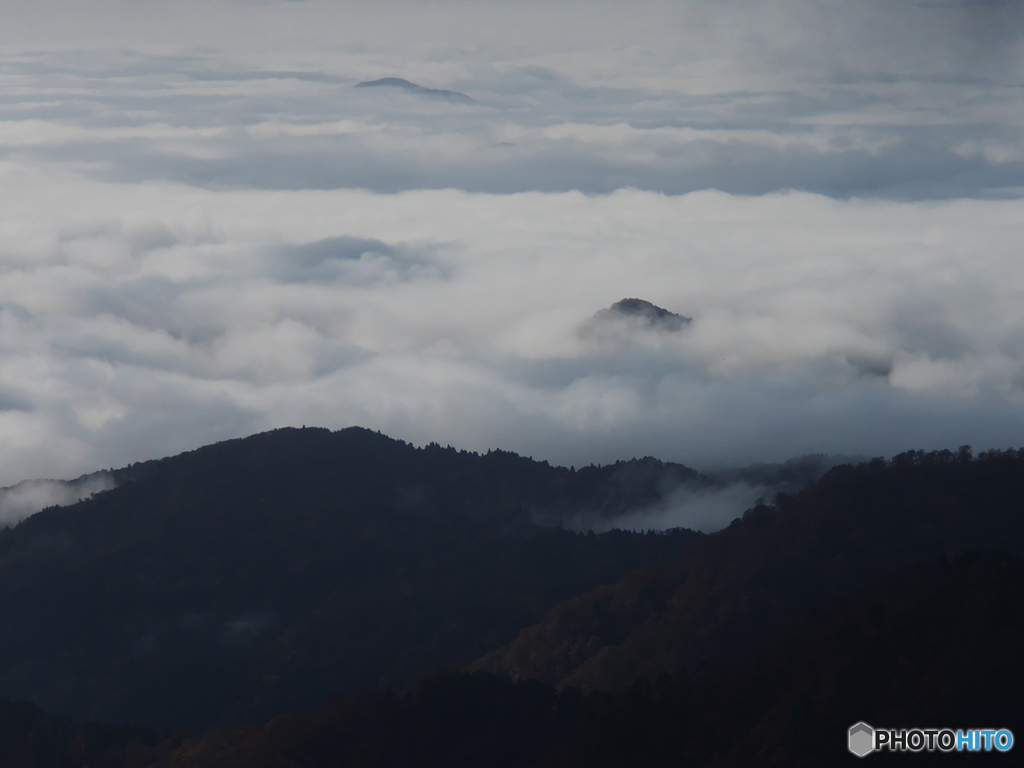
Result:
[
  {"x": 208, "y": 230},
  {"x": 893, "y": 99},
  {"x": 191, "y": 315}
]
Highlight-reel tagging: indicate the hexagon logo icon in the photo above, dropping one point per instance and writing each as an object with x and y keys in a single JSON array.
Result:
[{"x": 862, "y": 739}]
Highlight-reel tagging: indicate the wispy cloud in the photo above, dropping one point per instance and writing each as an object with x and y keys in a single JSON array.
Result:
[
  {"x": 29, "y": 496},
  {"x": 706, "y": 509}
]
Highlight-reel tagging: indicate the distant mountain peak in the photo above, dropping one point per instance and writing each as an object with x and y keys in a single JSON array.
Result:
[
  {"x": 652, "y": 315},
  {"x": 405, "y": 85}
]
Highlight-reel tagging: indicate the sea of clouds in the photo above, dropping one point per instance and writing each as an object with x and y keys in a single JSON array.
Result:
[{"x": 206, "y": 230}]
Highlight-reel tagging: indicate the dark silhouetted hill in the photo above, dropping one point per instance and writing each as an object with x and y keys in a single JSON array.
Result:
[
  {"x": 259, "y": 576},
  {"x": 405, "y": 85},
  {"x": 726, "y": 599},
  {"x": 252, "y": 577},
  {"x": 924, "y": 646},
  {"x": 648, "y": 314},
  {"x": 790, "y": 476},
  {"x": 31, "y": 738}
]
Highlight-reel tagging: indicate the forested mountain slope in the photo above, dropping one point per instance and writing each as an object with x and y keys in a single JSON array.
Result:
[
  {"x": 889, "y": 655},
  {"x": 725, "y": 599},
  {"x": 865, "y": 597},
  {"x": 259, "y": 576}
]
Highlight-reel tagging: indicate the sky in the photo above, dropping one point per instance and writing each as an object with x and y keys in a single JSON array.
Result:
[{"x": 206, "y": 229}]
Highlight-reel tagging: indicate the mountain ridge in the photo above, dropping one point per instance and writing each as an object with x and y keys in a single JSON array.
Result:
[
  {"x": 778, "y": 559},
  {"x": 276, "y": 569},
  {"x": 405, "y": 85},
  {"x": 341, "y": 573}
]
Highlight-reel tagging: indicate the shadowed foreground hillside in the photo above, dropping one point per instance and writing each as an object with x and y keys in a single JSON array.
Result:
[
  {"x": 725, "y": 599},
  {"x": 890, "y": 655},
  {"x": 934, "y": 645},
  {"x": 891, "y": 592},
  {"x": 259, "y": 576}
]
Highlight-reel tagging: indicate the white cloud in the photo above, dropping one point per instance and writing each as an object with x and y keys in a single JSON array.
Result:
[
  {"x": 862, "y": 326},
  {"x": 700, "y": 509},
  {"x": 29, "y": 496},
  {"x": 208, "y": 231},
  {"x": 904, "y": 100}
]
